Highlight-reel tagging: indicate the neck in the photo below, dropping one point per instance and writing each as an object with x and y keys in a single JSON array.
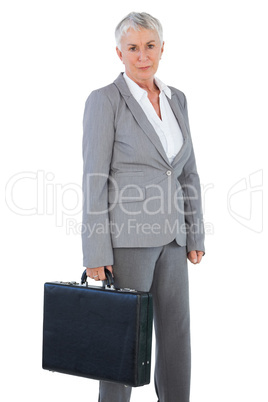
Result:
[{"x": 148, "y": 84}]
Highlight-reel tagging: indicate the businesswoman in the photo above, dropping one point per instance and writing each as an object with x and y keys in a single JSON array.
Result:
[{"x": 142, "y": 212}]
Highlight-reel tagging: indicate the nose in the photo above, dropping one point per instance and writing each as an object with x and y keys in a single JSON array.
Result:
[{"x": 143, "y": 56}]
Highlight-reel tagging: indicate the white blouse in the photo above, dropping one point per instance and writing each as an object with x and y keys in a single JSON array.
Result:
[{"x": 168, "y": 128}]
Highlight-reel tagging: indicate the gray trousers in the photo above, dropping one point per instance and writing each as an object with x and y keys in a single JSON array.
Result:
[{"x": 162, "y": 271}]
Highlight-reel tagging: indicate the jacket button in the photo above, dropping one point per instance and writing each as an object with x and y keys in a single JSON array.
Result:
[{"x": 168, "y": 172}]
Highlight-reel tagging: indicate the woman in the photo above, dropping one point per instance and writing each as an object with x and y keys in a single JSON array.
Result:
[{"x": 142, "y": 203}]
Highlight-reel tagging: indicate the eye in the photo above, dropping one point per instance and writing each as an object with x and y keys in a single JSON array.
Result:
[
  {"x": 150, "y": 46},
  {"x": 132, "y": 49}
]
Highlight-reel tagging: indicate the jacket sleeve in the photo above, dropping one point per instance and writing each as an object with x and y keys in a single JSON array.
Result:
[
  {"x": 190, "y": 183},
  {"x": 98, "y": 138}
]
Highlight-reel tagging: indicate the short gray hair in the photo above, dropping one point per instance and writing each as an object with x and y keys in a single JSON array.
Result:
[{"x": 137, "y": 21}]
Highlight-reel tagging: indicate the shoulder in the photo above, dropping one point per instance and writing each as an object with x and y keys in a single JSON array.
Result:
[
  {"x": 179, "y": 94},
  {"x": 108, "y": 93}
]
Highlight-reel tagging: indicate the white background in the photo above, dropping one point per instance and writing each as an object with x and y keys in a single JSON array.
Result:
[{"x": 53, "y": 54}]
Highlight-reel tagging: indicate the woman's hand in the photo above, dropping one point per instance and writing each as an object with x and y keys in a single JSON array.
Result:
[
  {"x": 195, "y": 256},
  {"x": 98, "y": 273}
]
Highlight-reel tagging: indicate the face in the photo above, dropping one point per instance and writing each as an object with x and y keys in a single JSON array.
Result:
[{"x": 140, "y": 52}]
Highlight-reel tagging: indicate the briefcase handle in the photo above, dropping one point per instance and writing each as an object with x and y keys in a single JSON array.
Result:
[{"x": 108, "y": 274}]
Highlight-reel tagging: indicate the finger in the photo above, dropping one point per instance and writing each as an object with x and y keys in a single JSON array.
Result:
[
  {"x": 101, "y": 274},
  {"x": 199, "y": 256},
  {"x": 89, "y": 272},
  {"x": 96, "y": 276},
  {"x": 192, "y": 256},
  {"x": 92, "y": 273}
]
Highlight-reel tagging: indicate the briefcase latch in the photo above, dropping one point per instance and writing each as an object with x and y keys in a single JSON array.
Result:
[{"x": 128, "y": 290}]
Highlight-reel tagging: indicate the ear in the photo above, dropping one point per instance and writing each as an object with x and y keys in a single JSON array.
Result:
[
  {"x": 119, "y": 53},
  {"x": 162, "y": 48}
]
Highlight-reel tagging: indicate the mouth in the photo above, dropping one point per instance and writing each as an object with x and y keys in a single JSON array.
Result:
[{"x": 144, "y": 68}]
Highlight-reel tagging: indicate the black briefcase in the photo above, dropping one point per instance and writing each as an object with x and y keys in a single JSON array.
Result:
[{"x": 99, "y": 333}]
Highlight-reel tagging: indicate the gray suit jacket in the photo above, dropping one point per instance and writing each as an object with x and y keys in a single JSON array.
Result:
[{"x": 133, "y": 196}]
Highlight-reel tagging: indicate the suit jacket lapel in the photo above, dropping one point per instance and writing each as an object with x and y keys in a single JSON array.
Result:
[
  {"x": 144, "y": 123},
  {"x": 140, "y": 116},
  {"x": 146, "y": 126},
  {"x": 176, "y": 108}
]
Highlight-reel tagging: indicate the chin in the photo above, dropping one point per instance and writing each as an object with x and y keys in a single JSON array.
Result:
[{"x": 147, "y": 74}]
